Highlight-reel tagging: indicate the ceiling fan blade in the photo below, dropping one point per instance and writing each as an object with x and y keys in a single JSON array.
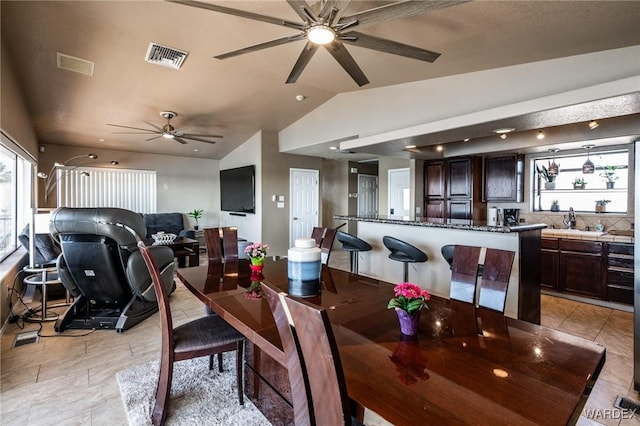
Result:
[
  {"x": 404, "y": 9},
  {"x": 199, "y": 138},
  {"x": 158, "y": 128},
  {"x": 155, "y": 137},
  {"x": 305, "y": 56},
  {"x": 180, "y": 140},
  {"x": 344, "y": 58},
  {"x": 133, "y": 128},
  {"x": 195, "y": 139},
  {"x": 303, "y": 10},
  {"x": 240, "y": 13},
  {"x": 260, "y": 46},
  {"x": 328, "y": 7},
  {"x": 191, "y": 135},
  {"x": 133, "y": 133},
  {"x": 389, "y": 46}
]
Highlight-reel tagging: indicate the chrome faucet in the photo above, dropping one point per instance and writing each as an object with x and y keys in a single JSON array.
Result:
[{"x": 570, "y": 220}]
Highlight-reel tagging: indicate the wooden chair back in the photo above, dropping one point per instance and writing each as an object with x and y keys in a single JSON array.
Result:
[
  {"x": 327, "y": 244},
  {"x": 222, "y": 244},
  {"x": 464, "y": 270},
  {"x": 302, "y": 405},
  {"x": 318, "y": 356},
  {"x": 495, "y": 279},
  {"x": 317, "y": 233}
]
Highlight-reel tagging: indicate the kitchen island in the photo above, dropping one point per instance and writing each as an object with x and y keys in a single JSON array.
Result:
[{"x": 429, "y": 235}]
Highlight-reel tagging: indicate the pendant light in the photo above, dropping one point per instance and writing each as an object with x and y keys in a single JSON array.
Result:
[
  {"x": 588, "y": 167},
  {"x": 554, "y": 168}
]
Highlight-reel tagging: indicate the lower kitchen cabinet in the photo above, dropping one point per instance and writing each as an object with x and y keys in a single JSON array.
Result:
[{"x": 596, "y": 269}]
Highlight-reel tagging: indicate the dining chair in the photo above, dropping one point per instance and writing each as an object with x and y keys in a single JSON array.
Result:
[
  {"x": 318, "y": 387},
  {"x": 317, "y": 233},
  {"x": 464, "y": 269},
  {"x": 221, "y": 243},
  {"x": 327, "y": 244},
  {"x": 204, "y": 336},
  {"x": 495, "y": 279}
]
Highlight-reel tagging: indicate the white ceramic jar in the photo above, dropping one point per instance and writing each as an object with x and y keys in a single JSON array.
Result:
[{"x": 304, "y": 268}]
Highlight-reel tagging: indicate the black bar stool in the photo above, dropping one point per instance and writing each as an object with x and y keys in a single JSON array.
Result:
[
  {"x": 404, "y": 252},
  {"x": 353, "y": 245}
]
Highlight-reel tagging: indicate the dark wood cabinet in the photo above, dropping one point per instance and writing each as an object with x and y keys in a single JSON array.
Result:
[
  {"x": 549, "y": 263},
  {"x": 582, "y": 268},
  {"x": 434, "y": 180},
  {"x": 620, "y": 272},
  {"x": 452, "y": 189},
  {"x": 503, "y": 178}
]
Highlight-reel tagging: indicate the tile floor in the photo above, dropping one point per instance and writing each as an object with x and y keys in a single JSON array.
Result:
[{"x": 69, "y": 379}]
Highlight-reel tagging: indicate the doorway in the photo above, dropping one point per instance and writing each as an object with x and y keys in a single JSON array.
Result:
[
  {"x": 367, "y": 195},
  {"x": 303, "y": 193},
  {"x": 399, "y": 200}
]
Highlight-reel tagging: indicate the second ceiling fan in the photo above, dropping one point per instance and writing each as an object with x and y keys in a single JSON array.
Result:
[
  {"x": 166, "y": 131},
  {"x": 329, "y": 28}
]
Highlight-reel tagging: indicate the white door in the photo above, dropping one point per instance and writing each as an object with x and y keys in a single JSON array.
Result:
[
  {"x": 399, "y": 194},
  {"x": 303, "y": 192},
  {"x": 367, "y": 195}
]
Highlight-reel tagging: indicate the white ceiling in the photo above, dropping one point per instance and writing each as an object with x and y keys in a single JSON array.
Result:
[{"x": 239, "y": 96}]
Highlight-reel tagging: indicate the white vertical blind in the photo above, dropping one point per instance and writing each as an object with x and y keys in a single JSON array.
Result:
[{"x": 129, "y": 189}]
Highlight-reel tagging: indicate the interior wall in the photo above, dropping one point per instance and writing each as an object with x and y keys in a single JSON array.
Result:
[
  {"x": 183, "y": 183},
  {"x": 249, "y": 153},
  {"x": 384, "y": 165},
  {"x": 334, "y": 192}
]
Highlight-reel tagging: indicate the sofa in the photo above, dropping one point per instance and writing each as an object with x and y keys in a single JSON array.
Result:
[{"x": 167, "y": 222}]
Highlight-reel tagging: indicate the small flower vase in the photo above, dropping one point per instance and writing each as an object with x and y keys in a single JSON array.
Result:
[
  {"x": 408, "y": 323},
  {"x": 256, "y": 268}
]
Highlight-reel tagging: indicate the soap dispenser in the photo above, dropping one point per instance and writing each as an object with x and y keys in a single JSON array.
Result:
[{"x": 599, "y": 226}]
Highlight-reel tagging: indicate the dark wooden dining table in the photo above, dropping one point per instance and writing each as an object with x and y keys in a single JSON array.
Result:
[{"x": 509, "y": 372}]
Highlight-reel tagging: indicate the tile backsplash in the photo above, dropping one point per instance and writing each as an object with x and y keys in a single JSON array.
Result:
[{"x": 583, "y": 220}]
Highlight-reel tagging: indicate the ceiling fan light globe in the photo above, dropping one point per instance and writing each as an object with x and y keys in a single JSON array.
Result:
[
  {"x": 168, "y": 135},
  {"x": 321, "y": 34}
]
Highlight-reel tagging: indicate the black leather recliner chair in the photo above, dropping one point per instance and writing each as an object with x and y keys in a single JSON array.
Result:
[{"x": 104, "y": 268}]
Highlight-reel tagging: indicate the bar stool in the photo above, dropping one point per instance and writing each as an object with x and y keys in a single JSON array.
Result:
[
  {"x": 353, "y": 245},
  {"x": 404, "y": 252}
]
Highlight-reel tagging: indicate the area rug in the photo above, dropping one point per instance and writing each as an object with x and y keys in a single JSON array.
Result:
[{"x": 199, "y": 396}]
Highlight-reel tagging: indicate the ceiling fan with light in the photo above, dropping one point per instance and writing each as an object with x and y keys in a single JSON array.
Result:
[
  {"x": 166, "y": 131},
  {"x": 326, "y": 26}
]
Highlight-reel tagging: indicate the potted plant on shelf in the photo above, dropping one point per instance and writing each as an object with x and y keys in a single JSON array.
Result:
[
  {"x": 601, "y": 206},
  {"x": 196, "y": 214},
  {"x": 609, "y": 176},
  {"x": 550, "y": 180},
  {"x": 555, "y": 206},
  {"x": 579, "y": 183}
]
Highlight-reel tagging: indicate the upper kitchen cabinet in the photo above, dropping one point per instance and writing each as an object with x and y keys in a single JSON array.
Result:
[
  {"x": 452, "y": 189},
  {"x": 503, "y": 178}
]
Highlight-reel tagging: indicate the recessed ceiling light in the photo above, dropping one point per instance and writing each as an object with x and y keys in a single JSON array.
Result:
[
  {"x": 593, "y": 124},
  {"x": 101, "y": 140},
  {"x": 503, "y": 130},
  {"x": 300, "y": 98},
  {"x": 195, "y": 150},
  {"x": 503, "y": 135},
  {"x": 410, "y": 146},
  {"x": 466, "y": 139},
  {"x": 333, "y": 147},
  {"x": 439, "y": 148},
  {"x": 540, "y": 134}
]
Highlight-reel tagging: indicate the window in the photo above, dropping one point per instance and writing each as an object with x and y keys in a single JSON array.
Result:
[
  {"x": 583, "y": 197},
  {"x": 15, "y": 194}
]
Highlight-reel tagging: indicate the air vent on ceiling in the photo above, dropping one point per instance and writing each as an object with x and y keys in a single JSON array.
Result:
[
  {"x": 71, "y": 63},
  {"x": 165, "y": 56}
]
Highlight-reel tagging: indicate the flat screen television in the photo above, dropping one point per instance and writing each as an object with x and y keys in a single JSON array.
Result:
[{"x": 237, "y": 190}]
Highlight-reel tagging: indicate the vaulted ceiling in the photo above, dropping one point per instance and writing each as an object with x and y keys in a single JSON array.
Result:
[{"x": 239, "y": 96}]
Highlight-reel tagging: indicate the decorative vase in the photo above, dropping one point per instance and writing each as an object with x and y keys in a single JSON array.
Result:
[
  {"x": 610, "y": 185},
  {"x": 408, "y": 323},
  {"x": 256, "y": 268}
]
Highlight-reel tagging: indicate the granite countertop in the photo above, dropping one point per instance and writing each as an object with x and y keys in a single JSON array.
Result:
[
  {"x": 463, "y": 224},
  {"x": 576, "y": 234}
]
